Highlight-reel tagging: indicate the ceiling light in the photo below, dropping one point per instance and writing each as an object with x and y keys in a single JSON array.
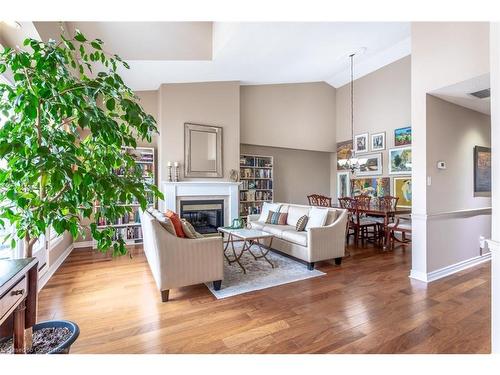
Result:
[{"x": 13, "y": 24}]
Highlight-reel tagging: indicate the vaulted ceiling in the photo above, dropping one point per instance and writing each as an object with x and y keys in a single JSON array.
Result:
[{"x": 253, "y": 53}]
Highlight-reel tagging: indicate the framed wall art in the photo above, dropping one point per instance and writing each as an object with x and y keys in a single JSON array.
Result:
[
  {"x": 400, "y": 160},
  {"x": 401, "y": 188},
  {"x": 378, "y": 141},
  {"x": 370, "y": 165},
  {"x": 361, "y": 142}
]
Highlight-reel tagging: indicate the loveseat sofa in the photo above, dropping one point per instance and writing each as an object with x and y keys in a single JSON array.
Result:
[{"x": 315, "y": 244}]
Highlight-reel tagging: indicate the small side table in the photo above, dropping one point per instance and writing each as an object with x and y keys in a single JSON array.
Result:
[{"x": 18, "y": 299}]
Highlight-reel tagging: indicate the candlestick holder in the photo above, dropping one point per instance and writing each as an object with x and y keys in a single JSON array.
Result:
[
  {"x": 176, "y": 173},
  {"x": 170, "y": 179}
]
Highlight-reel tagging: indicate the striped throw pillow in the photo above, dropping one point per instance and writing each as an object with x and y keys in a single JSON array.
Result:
[
  {"x": 301, "y": 223},
  {"x": 278, "y": 218}
]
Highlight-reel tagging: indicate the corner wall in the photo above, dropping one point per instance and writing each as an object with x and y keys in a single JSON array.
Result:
[{"x": 443, "y": 53}]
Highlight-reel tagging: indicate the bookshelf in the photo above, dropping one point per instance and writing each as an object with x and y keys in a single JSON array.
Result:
[
  {"x": 128, "y": 226},
  {"x": 256, "y": 176}
]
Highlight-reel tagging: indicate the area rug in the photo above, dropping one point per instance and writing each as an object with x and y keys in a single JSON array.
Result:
[{"x": 260, "y": 274}]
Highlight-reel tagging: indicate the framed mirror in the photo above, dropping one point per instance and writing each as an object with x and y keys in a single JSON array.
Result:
[{"x": 202, "y": 151}]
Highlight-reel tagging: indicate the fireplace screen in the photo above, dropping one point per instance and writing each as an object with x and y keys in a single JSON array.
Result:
[{"x": 205, "y": 215}]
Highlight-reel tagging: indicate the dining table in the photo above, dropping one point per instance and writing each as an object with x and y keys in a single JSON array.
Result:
[{"x": 376, "y": 210}]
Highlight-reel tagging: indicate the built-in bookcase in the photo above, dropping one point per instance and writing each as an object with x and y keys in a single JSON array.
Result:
[
  {"x": 256, "y": 176},
  {"x": 128, "y": 226}
]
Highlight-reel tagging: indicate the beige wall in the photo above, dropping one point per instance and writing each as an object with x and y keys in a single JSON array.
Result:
[
  {"x": 210, "y": 103},
  {"x": 297, "y": 173},
  {"x": 382, "y": 103},
  {"x": 455, "y": 132},
  {"x": 443, "y": 53},
  {"x": 298, "y": 116},
  {"x": 149, "y": 102}
]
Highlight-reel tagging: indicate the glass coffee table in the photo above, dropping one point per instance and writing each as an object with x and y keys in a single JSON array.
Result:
[{"x": 251, "y": 238}]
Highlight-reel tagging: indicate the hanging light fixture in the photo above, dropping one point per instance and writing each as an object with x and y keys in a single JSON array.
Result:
[{"x": 352, "y": 162}]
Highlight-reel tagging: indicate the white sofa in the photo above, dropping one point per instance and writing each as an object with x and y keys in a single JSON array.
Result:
[
  {"x": 177, "y": 262},
  {"x": 314, "y": 245}
]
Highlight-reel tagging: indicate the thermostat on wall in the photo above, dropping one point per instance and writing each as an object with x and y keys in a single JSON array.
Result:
[{"x": 441, "y": 165}]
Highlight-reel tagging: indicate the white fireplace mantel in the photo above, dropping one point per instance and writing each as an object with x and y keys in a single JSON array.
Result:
[{"x": 174, "y": 192}]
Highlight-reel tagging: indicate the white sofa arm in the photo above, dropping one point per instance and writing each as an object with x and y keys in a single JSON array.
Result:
[{"x": 328, "y": 242}]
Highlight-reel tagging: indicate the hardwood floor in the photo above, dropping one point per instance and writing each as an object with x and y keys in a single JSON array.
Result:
[{"x": 366, "y": 305}]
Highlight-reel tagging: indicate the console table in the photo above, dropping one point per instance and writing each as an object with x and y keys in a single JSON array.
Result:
[{"x": 18, "y": 298}]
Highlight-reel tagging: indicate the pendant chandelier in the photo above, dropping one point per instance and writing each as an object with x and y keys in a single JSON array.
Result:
[{"x": 352, "y": 162}]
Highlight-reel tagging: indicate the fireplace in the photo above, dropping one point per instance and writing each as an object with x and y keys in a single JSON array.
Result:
[{"x": 205, "y": 215}]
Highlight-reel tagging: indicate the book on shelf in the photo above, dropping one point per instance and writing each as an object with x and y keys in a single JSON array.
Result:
[{"x": 256, "y": 175}]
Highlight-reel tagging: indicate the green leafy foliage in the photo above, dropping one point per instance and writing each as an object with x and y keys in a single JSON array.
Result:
[{"x": 67, "y": 116}]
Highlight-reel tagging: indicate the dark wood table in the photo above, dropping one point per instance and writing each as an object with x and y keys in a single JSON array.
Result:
[
  {"x": 386, "y": 213},
  {"x": 18, "y": 298}
]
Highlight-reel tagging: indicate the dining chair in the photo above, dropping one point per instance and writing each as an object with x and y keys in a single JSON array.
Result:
[
  {"x": 368, "y": 229},
  {"x": 349, "y": 204},
  {"x": 402, "y": 225},
  {"x": 319, "y": 200},
  {"x": 389, "y": 205}
]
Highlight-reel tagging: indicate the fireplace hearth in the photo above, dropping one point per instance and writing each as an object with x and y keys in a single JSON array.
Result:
[{"x": 205, "y": 215}]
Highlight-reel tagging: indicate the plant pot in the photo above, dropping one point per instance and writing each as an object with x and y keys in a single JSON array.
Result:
[{"x": 64, "y": 347}]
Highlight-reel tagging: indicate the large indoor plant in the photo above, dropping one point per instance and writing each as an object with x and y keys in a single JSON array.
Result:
[{"x": 67, "y": 116}]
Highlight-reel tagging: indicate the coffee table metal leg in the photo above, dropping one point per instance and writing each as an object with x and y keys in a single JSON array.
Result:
[{"x": 263, "y": 254}]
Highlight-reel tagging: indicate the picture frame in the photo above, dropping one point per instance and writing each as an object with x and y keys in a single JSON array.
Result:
[
  {"x": 206, "y": 161},
  {"x": 482, "y": 171},
  {"x": 370, "y": 165},
  {"x": 402, "y": 188},
  {"x": 343, "y": 184},
  {"x": 361, "y": 143},
  {"x": 377, "y": 141},
  {"x": 372, "y": 186},
  {"x": 343, "y": 154},
  {"x": 402, "y": 136},
  {"x": 400, "y": 160}
]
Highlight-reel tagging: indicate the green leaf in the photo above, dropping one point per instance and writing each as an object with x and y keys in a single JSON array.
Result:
[
  {"x": 110, "y": 104},
  {"x": 95, "y": 45},
  {"x": 3, "y": 68},
  {"x": 77, "y": 178},
  {"x": 79, "y": 37}
]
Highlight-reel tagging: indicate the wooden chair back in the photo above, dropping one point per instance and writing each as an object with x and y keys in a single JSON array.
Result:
[
  {"x": 347, "y": 203},
  {"x": 363, "y": 201},
  {"x": 388, "y": 202},
  {"x": 319, "y": 200}
]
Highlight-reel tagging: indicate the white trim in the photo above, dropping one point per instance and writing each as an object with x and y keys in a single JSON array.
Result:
[
  {"x": 53, "y": 267},
  {"x": 449, "y": 270},
  {"x": 453, "y": 214},
  {"x": 83, "y": 244}
]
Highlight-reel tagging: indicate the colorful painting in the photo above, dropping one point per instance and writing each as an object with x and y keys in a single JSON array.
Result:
[
  {"x": 402, "y": 136},
  {"x": 361, "y": 142},
  {"x": 401, "y": 187},
  {"x": 378, "y": 141},
  {"x": 370, "y": 165},
  {"x": 343, "y": 154},
  {"x": 400, "y": 160},
  {"x": 343, "y": 185},
  {"x": 374, "y": 187},
  {"x": 482, "y": 170}
]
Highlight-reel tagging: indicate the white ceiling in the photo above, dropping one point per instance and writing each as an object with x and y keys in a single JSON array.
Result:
[
  {"x": 459, "y": 94},
  {"x": 279, "y": 52},
  {"x": 249, "y": 52}
]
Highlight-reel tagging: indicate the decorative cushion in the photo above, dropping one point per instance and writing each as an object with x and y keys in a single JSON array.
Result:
[
  {"x": 166, "y": 223},
  {"x": 266, "y": 207},
  {"x": 189, "y": 230},
  {"x": 317, "y": 217},
  {"x": 276, "y": 218},
  {"x": 301, "y": 223},
  {"x": 295, "y": 213},
  {"x": 176, "y": 221}
]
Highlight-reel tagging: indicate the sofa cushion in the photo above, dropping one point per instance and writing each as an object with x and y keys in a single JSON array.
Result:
[
  {"x": 317, "y": 217},
  {"x": 276, "y": 218},
  {"x": 176, "y": 221},
  {"x": 256, "y": 225},
  {"x": 167, "y": 224},
  {"x": 301, "y": 223},
  {"x": 284, "y": 208},
  {"x": 299, "y": 238},
  {"x": 295, "y": 213},
  {"x": 332, "y": 216},
  {"x": 277, "y": 230},
  {"x": 266, "y": 207},
  {"x": 189, "y": 230}
]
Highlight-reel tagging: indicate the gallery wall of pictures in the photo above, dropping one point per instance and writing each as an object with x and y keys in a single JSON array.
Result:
[{"x": 370, "y": 178}]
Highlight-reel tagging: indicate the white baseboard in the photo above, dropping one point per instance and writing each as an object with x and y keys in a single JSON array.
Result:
[
  {"x": 82, "y": 244},
  {"x": 449, "y": 270},
  {"x": 53, "y": 267}
]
